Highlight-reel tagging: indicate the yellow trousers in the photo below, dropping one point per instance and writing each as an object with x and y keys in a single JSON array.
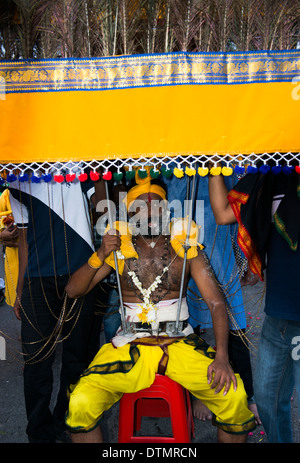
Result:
[{"x": 115, "y": 371}]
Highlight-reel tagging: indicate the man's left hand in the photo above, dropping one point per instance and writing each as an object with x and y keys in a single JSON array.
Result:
[{"x": 220, "y": 374}]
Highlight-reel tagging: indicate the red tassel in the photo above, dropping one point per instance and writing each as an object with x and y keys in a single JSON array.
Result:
[
  {"x": 83, "y": 177},
  {"x": 107, "y": 175},
  {"x": 59, "y": 178},
  {"x": 94, "y": 176},
  {"x": 70, "y": 177}
]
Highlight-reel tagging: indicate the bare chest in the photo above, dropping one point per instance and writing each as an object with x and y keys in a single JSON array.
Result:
[{"x": 160, "y": 261}]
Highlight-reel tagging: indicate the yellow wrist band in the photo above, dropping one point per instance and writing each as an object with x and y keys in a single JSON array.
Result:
[{"x": 94, "y": 261}]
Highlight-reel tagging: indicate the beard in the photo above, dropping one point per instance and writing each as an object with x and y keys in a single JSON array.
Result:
[
  {"x": 155, "y": 227},
  {"x": 149, "y": 228}
]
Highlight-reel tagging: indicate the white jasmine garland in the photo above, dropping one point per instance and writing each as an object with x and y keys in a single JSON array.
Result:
[{"x": 147, "y": 311}]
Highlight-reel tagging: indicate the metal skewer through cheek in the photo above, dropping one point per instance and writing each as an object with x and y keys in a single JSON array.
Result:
[{"x": 110, "y": 221}]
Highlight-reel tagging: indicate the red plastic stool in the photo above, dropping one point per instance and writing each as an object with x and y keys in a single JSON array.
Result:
[{"x": 163, "y": 398}]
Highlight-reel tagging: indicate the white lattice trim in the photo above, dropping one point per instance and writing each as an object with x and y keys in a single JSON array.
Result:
[{"x": 184, "y": 164}]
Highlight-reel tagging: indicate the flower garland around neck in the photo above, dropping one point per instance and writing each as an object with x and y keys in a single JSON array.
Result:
[{"x": 146, "y": 312}]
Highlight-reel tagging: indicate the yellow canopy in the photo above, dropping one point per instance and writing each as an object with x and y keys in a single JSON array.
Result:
[{"x": 137, "y": 106}]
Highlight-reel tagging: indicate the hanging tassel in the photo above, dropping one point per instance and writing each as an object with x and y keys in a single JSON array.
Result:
[
  {"x": 94, "y": 175},
  {"x": 107, "y": 175},
  {"x": 178, "y": 172},
  {"x": 47, "y": 177},
  {"x": 287, "y": 170},
  {"x": 239, "y": 170},
  {"x": 227, "y": 171},
  {"x": 264, "y": 169},
  {"x": 190, "y": 171},
  {"x": 215, "y": 170},
  {"x": 11, "y": 178},
  {"x": 83, "y": 177},
  {"x": 203, "y": 171},
  {"x": 252, "y": 170},
  {"x": 70, "y": 177},
  {"x": 154, "y": 173},
  {"x": 118, "y": 176},
  {"x": 142, "y": 173},
  {"x": 167, "y": 173},
  {"x": 130, "y": 174},
  {"x": 276, "y": 169},
  {"x": 59, "y": 178},
  {"x": 35, "y": 179},
  {"x": 23, "y": 178}
]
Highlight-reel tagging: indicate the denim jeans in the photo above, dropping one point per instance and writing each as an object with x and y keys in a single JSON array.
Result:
[
  {"x": 277, "y": 372},
  {"x": 112, "y": 317}
]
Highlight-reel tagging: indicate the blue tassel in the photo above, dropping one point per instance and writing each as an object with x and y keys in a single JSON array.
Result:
[
  {"x": 264, "y": 169},
  {"x": 239, "y": 170},
  {"x": 287, "y": 170},
  {"x": 35, "y": 179},
  {"x": 47, "y": 178},
  {"x": 23, "y": 178},
  {"x": 252, "y": 170},
  {"x": 11, "y": 178},
  {"x": 276, "y": 170}
]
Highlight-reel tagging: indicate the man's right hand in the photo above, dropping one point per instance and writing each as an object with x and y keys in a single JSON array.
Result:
[
  {"x": 17, "y": 308},
  {"x": 111, "y": 242}
]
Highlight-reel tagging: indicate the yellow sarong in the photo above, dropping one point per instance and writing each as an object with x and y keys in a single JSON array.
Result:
[{"x": 115, "y": 371}]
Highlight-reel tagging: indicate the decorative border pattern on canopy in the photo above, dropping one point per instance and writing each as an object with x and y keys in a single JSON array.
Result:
[{"x": 149, "y": 70}]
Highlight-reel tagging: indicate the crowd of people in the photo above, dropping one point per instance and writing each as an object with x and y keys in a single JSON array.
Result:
[{"x": 61, "y": 283}]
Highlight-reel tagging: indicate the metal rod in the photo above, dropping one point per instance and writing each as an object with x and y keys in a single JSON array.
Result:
[
  {"x": 186, "y": 247},
  {"x": 110, "y": 221}
]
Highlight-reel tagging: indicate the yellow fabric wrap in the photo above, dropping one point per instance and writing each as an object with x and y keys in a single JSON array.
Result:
[
  {"x": 143, "y": 186},
  {"x": 127, "y": 250},
  {"x": 94, "y": 261},
  {"x": 5, "y": 213},
  {"x": 179, "y": 236}
]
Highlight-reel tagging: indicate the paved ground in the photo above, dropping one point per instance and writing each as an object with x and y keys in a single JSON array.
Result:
[{"x": 12, "y": 409}]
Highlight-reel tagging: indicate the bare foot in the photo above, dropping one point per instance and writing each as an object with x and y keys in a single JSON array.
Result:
[
  {"x": 201, "y": 411},
  {"x": 253, "y": 409}
]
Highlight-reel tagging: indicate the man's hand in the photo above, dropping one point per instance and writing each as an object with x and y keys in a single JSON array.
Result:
[
  {"x": 17, "y": 308},
  {"x": 111, "y": 242},
  {"x": 9, "y": 236},
  {"x": 220, "y": 374}
]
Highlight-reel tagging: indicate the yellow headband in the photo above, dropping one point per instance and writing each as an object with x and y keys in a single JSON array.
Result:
[{"x": 143, "y": 186}]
